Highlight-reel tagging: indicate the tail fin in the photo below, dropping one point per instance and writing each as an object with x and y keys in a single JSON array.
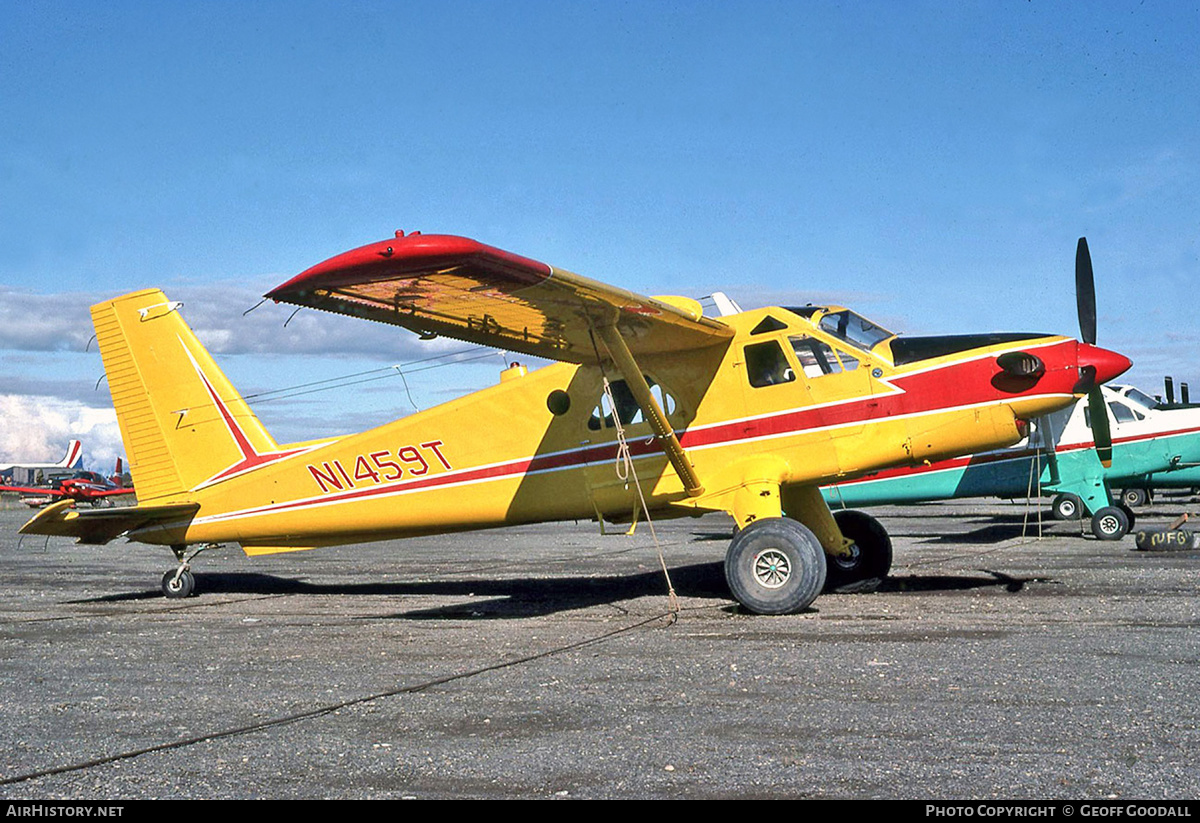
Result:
[
  {"x": 182, "y": 421},
  {"x": 73, "y": 457}
]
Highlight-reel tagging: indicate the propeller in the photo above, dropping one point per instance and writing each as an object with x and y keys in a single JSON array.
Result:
[
  {"x": 1085, "y": 299},
  {"x": 1085, "y": 292}
]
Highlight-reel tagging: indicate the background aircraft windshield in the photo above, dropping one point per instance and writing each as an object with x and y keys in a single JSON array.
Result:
[{"x": 1141, "y": 397}]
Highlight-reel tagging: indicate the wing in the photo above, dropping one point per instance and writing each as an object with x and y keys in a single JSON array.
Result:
[
  {"x": 113, "y": 492},
  {"x": 460, "y": 288},
  {"x": 32, "y": 490}
]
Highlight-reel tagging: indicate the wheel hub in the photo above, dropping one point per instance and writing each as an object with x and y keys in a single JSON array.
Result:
[
  {"x": 848, "y": 561},
  {"x": 772, "y": 569}
]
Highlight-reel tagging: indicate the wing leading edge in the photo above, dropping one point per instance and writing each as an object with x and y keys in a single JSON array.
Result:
[{"x": 459, "y": 288}]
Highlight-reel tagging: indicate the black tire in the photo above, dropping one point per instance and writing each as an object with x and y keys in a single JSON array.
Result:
[
  {"x": 871, "y": 561},
  {"x": 1133, "y": 498},
  {"x": 1066, "y": 507},
  {"x": 180, "y": 587},
  {"x": 1110, "y": 523},
  {"x": 1130, "y": 515},
  {"x": 775, "y": 566}
]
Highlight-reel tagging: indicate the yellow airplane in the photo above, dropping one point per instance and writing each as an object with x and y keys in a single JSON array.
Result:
[{"x": 748, "y": 414}]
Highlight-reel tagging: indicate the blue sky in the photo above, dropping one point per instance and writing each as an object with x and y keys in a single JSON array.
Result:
[{"x": 929, "y": 163}]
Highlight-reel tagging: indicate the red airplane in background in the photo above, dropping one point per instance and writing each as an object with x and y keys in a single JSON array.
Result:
[{"x": 82, "y": 487}]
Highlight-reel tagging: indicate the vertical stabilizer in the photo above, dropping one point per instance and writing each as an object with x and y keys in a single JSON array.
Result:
[
  {"x": 73, "y": 459},
  {"x": 182, "y": 421}
]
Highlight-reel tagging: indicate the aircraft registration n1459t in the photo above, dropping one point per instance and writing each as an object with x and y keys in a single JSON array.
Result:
[{"x": 748, "y": 414}]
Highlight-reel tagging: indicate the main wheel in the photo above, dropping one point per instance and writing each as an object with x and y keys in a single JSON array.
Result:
[
  {"x": 775, "y": 566},
  {"x": 177, "y": 587},
  {"x": 1066, "y": 507},
  {"x": 870, "y": 557},
  {"x": 1134, "y": 497},
  {"x": 1110, "y": 523},
  {"x": 1130, "y": 515}
]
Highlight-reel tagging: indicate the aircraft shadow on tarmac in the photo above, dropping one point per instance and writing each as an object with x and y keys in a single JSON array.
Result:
[{"x": 519, "y": 598}]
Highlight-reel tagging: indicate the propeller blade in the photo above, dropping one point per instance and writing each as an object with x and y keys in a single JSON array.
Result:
[
  {"x": 1101, "y": 431},
  {"x": 1085, "y": 292}
]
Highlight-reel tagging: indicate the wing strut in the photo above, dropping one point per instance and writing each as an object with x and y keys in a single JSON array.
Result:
[{"x": 658, "y": 421}]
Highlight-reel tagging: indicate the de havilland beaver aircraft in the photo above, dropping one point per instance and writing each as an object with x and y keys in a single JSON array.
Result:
[{"x": 710, "y": 415}]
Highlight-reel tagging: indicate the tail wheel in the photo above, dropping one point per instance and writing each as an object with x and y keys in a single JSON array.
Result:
[
  {"x": 178, "y": 585},
  {"x": 870, "y": 557},
  {"x": 1110, "y": 523},
  {"x": 1066, "y": 507},
  {"x": 775, "y": 566}
]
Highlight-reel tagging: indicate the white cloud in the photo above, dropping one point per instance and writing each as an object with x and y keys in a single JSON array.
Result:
[
  {"x": 226, "y": 317},
  {"x": 37, "y": 428}
]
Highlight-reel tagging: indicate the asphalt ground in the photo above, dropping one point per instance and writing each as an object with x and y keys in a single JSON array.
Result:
[{"x": 538, "y": 662}]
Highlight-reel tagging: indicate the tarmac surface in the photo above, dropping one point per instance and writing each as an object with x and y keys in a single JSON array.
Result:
[{"x": 538, "y": 662}]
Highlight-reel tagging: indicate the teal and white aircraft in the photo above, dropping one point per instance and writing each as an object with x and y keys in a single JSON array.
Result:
[{"x": 1154, "y": 445}]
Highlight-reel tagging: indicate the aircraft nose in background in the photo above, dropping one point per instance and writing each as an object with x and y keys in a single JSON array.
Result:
[{"x": 1108, "y": 364}]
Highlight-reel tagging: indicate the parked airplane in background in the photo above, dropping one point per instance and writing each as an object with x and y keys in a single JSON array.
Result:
[
  {"x": 71, "y": 460},
  {"x": 1149, "y": 445},
  {"x": 1184, "y": 471},
  {"x": 653, "y": 406},
  {"x": 79, "y": 487}
]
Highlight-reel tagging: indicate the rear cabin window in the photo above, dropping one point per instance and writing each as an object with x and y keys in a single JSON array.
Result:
[{"x": 627, "y": 409}]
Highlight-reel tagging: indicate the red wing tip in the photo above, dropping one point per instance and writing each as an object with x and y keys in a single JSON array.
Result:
[{"x": 404, "y": 254}]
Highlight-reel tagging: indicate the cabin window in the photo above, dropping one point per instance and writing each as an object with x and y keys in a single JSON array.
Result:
[
  {"x": 818, "y": 358},
  {"x": 1119, "y": 411},
  {"x": 627, "y": 411},
  {"x": 767, "y": 365}
]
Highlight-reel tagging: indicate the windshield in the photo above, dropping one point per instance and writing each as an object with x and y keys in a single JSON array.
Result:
[
  {"x": 1141, "y": 398},
  {"x": 854, "y": 329}
]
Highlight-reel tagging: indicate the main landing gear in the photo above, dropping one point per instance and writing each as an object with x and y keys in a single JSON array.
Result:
[
  {"x": 1108, "y": 523},
  {"x": 776, "y": 565},
  {"x": 1112, "y": 522},
  {"x": 870, "y": 557}
]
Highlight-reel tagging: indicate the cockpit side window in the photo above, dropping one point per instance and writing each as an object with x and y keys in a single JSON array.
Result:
[
  {"x": 818, "y": 358},
  {"x": 767, "y": 365}
]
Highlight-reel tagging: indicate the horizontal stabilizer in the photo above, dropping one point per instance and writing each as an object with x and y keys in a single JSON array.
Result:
[{"x": 98, "y": 526}]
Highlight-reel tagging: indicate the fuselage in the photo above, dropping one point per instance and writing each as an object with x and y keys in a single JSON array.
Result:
[{"x": 786, "y": 397}]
